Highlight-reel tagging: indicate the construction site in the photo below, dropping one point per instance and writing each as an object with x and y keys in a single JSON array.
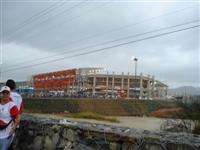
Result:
[{"x": 96, "y": 82}]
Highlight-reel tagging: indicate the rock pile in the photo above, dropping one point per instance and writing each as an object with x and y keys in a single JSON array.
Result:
[{"x": 178, "y": 125}]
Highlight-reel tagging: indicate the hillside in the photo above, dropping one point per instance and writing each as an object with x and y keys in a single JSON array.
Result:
[
  {"x": 102, "y": 107},
  {"x": 185, "y": 90}
]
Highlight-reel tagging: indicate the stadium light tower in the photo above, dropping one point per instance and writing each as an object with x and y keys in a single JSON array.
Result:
[
  {"x": 135, "y": 59},
  {"x": 135, "y": 84}
]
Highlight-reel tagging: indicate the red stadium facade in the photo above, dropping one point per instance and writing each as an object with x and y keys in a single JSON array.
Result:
[{"x": 54, "y": 81}]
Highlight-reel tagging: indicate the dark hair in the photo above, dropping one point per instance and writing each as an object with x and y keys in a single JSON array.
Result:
[{"x": 11, "y": 84}]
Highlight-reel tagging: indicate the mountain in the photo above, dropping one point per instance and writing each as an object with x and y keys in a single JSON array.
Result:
[{"x": 184, "y": 90}]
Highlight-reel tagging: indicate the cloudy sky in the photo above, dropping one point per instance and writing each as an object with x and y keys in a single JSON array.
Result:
[{"x": 50, "y": 35}]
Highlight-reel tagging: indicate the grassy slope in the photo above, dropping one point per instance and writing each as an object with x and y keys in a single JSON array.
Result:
[{"x": 102, "y": 107}]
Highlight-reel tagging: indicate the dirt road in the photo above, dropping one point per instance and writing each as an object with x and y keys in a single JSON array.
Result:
[{"x": 146, "y": 123}]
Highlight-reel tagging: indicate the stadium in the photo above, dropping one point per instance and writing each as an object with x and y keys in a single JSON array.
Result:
[{"x": 97, "y": 82}]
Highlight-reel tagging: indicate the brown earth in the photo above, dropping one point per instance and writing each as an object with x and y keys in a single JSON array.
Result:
[{"x": 165, "y": 112}]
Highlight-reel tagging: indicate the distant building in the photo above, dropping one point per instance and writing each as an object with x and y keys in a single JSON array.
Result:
[{"x": 97, "y": 82}]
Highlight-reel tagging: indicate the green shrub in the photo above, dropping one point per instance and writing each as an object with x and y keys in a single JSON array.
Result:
[
  {"x": 51, "y": 105},
  {"x": 189, "y": 111}
]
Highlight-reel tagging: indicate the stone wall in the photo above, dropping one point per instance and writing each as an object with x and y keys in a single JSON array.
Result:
[{"x": 49, "y": 134}]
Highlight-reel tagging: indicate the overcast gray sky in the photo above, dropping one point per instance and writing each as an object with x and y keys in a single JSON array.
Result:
[{"x": 31, "y": 31}]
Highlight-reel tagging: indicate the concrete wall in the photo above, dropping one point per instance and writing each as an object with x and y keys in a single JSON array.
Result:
[{"x": 48, "y": 134}]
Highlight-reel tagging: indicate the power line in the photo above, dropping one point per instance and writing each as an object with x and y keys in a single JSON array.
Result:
[
  {"x": 107, "y": 42},
  {"x": 66, "y": 10},
  {"x": 34, "y": 17},
  {"x": 105, "y": 48},
  {"x": 122, "y": 27},
  {"x": 63, "y": 22},
  {"x": 165, "y": 14}
]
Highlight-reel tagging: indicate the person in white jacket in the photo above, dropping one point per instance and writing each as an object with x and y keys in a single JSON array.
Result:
[
  {"x": 17, "y": 100},
  {"x": 9, "y": 118}
]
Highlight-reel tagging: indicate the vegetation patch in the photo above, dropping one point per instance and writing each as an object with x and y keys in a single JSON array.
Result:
[
  {"x": 103, "y": 107},
  {"x": 189, "y": 111},
  {"x": 134, "y": 108},
  {"x": 91, "y": 115},
  {"x": 51, "y": 105}
]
